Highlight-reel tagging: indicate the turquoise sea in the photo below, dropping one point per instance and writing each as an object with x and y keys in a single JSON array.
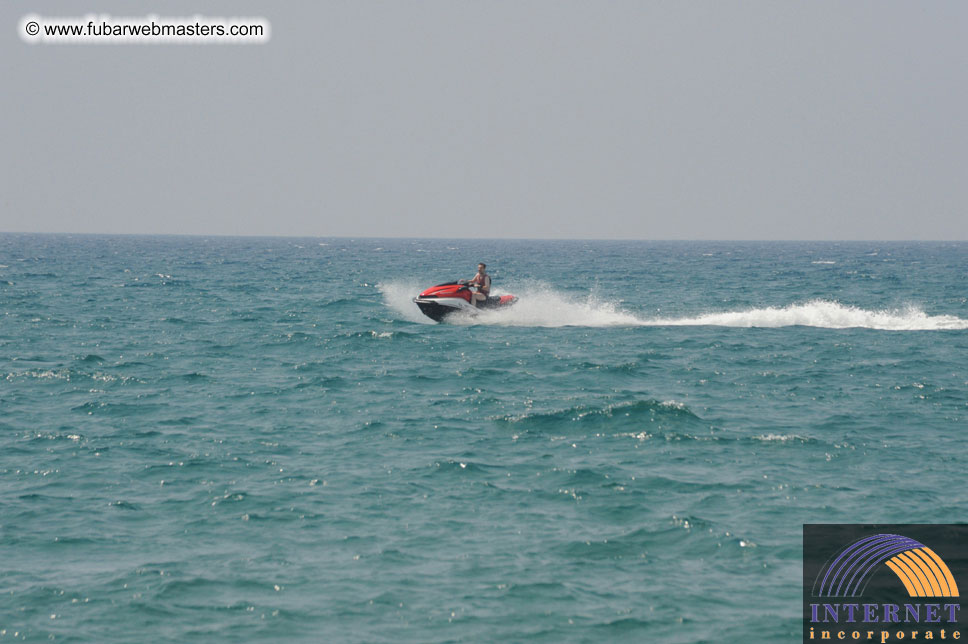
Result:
[{"x": 262, "y": 440}]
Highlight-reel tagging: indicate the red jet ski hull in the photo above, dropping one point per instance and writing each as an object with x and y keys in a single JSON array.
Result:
[{"x": 440, "y": 301}]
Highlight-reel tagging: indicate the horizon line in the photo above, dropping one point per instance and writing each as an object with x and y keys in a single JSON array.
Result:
[{"x": 576, "y": 239}]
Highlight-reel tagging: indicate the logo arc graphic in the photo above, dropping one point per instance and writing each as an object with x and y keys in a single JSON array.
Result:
[{"x": 921, "y": 571}]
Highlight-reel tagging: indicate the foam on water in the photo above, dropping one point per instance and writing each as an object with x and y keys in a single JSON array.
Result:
[
  {"x": 399, "y": 297},
  {"x": 540, "y": 306},
  {"x": 828, "y": 315}
]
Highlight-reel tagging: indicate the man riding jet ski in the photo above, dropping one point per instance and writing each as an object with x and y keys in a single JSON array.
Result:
[
  {"x": 483, "y": 283},
  {"x": 442, "y": 300}
]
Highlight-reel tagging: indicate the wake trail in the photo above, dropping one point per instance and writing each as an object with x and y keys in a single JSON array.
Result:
[
  {"x": 826, "y": 314},
  {"x": 539, "y": 306}
]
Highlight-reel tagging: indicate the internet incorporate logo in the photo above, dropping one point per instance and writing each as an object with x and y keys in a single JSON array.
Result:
[{"x": 906, "y": 587}]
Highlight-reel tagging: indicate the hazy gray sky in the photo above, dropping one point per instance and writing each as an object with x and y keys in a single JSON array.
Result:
[{"x": 652, "y": 120}]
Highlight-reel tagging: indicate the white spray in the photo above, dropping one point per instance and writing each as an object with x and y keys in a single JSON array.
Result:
[{"x": 540, "y": 306}]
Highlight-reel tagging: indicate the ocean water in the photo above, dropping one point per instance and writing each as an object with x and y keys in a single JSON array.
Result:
[{"x": 262, "y": 440}]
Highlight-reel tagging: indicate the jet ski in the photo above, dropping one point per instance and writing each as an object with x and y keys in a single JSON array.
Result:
[{"x": 442, "y": 300}]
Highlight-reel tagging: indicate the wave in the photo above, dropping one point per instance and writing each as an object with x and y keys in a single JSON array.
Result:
[
  {"x": 540, "y": 306},
  {"x": 632, "y": 410}
]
